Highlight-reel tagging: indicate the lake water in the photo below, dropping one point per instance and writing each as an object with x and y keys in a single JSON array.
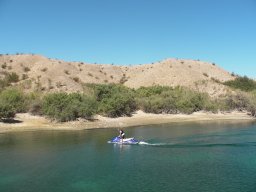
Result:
[{"x": 182, "y": 157}]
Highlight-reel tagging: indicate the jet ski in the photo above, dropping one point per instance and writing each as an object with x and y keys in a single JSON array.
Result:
[{"x": 118, "y": 140}]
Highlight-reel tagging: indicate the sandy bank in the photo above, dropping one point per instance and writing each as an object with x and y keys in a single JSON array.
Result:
[{"x": 25, "y": 121}]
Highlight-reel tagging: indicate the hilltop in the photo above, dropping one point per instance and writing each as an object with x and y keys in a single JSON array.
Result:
[{"x": 37, "y": 72}]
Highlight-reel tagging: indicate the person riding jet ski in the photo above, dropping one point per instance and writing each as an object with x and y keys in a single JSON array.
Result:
[
  {"x": 121, "y": 139},
  {"x": 121, "y": 134}
]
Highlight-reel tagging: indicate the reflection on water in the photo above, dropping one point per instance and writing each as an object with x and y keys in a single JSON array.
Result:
[
  {"x": 174, "y": 157},
  {"x": 121, "y": 147}
]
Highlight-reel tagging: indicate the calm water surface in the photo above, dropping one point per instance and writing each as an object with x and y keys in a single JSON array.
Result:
[{"x": 179, "y": 157}]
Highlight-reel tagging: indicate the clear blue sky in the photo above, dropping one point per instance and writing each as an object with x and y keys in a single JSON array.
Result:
[{"x": 133, "y": 31}]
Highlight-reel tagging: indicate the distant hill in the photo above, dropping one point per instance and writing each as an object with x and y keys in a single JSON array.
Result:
[{"x": 40, "y": 73}]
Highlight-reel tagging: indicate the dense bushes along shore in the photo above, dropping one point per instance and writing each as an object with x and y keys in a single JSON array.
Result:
[
  {"x": 242, "y": 83},
  {"x": 114, "y": 100}
]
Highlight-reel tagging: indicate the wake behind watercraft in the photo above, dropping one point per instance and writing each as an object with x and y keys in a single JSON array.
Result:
[{"x": 119, "y": 140}]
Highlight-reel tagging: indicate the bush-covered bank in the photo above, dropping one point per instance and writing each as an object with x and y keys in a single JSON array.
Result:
[
  {"x": 114, "y": 100},
  {"x": 246, "y": 97},
  {"x": 159, "y": 99},
  {"x": 241, "y": 101},
  {"x": 242, "y": 83}
]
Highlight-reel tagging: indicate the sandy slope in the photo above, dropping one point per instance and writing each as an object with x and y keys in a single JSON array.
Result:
[
  {"x": 40, "y": 73},
  {"x": 28, "y": 122}
]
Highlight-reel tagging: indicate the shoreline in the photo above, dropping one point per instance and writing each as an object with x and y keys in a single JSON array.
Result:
[{"x": 27, "y": 122}]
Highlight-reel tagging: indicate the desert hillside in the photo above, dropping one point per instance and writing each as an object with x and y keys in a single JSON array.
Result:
[{"x": 40, "y": 73}]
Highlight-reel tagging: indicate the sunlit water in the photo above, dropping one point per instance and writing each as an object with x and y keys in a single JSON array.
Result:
[{"x": 183, "y": 157}]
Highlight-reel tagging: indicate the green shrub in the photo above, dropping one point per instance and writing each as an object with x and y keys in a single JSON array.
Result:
[
  {"x": 156, "y": 104},
  {"x": 117, "y": 105},
  {"x": 26, "y": 69},
  {"x": 76, "y": 79},
  {"x": 251, "y": 107},
  {"x": 4, "y": 66},
  {"x": 6, "y": 111},
  {"x": 242, "y": 83},
  {"x": 237, "y": 101},
  {"x": 12, "y": 77},
  {"x": 67, "y": 107},
  {"x": 8, "y": 79},
  {"x": 12, "y": 101},
  {"x": 241, "y": 101},
  {"x": 114, "y": 100},
  {"x": 44, "y": 69},
  {"x": 158, "y": 99},
  {"x": 24, "y": 76},
  {"x": 190, "y": 101},
  {"x": 149, "y": 91},
  {"x": 83, "y": 105}
]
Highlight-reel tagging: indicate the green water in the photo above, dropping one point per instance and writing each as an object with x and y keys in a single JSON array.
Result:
[{"x": 179, "y": 157}]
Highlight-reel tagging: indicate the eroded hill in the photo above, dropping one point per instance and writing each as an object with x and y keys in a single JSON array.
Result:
[{"x": 40, "y": 73}]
